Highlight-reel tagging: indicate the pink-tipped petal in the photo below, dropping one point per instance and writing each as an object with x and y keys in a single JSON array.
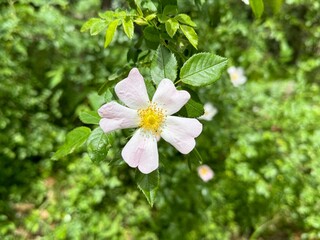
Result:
[
  {"x": 180, "y": 133},
  {"x": 169, "y": 98},
  {"x": 132, "y": 90},
  {"x": 141, "y": 151},
  {"x": 115, "y": 116}
]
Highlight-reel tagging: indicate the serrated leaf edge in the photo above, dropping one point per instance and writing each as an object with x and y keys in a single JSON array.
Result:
[{"x": 203, "y": 53}]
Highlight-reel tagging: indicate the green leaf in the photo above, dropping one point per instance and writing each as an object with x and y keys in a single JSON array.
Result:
[
  {"x": 56, "y": 76},
  {"x": 148, "y": 184},
  {"x": 185, "y": 19},
  {"x": 202, "y": 69},
  {"x": 107, "y": 15},
  {"x": 150, "y": 88},
  {"x": 89, "y": 117},
  {"x": 172, "y": 26},
  {"x": 128, "y": 27},
  {"x": 193, "y": 108},
  {"x": 140, "y": 21},
  {"x": 275, "y": 5},
  {"x": 95, "y": 100},
  {"x": 151, "y": 34},
  {"x": 149, "y": 6},
  {"x": 119, "y": 14},
  {"x": 98, "y": 145},
  {"x": 163, "y": 65},
  {"x": 168, "y": 2},
  {"x": 87, "y": 25},
  {"x": 97, "y": 27},
  {"x": 151, "y": 16},
  {"x": 108, "y": 97},
  {"x": 138, "y": 4},
  {"x": 190, "y": 34},
  {"x": 169, "y": 10},
  {"x": 110, "y": 32},
  {"x": 257, "y": 7},
  {"x": 132, "y": 54},
  {"x": 106, "y": 86},
  {"x": 74, "y": 140}
]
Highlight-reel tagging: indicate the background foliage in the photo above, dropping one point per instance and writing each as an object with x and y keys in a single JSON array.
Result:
[{"x": 263, "y": 144}]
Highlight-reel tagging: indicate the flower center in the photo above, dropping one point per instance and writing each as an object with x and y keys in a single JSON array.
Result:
[
  {"x": 151, "y": 118},
  {"x": 235, "y": 76},
  {"x": 204, "y": 171}
]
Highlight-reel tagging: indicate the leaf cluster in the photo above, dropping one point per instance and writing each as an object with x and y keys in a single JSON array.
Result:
[{"x": 159, "y": 23}]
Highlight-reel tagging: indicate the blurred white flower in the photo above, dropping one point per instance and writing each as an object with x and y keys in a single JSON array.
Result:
[
  {"x": 209, "y": 112},
  {"x": 255, "y": 109},
  {"x": 237, "y": 76},
  {"x": 205, "y": 173},
  {"x": 246, "y": 1}
]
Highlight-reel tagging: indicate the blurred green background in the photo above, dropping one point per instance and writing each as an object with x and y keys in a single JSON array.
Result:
[{"x": 263, "y": 144}]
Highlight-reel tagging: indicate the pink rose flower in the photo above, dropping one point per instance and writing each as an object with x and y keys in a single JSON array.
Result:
[{"x": 152, "y": 118}]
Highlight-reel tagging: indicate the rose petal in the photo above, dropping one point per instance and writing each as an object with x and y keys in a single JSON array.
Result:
[
  {"x": 169, "y": 98},
  {"x": 115, "y": 116},
  {"x": 132, "y": 90},
  {"x": 231, "y": 70},
  {"x": 239, "y": 81},
  {"x": 180, "y": 132},
  {"x": 240, "y": 70},
  {"x": 141, "y": 151}
]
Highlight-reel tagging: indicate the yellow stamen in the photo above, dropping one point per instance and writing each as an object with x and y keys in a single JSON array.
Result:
[
  {"x": 204, "y": 171},
  {"x": 234, "y": 76},
  {"x": 152, "y": 118}
]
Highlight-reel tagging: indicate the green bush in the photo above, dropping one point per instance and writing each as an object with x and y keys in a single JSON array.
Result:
[{"x": 263, "y": 144}]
